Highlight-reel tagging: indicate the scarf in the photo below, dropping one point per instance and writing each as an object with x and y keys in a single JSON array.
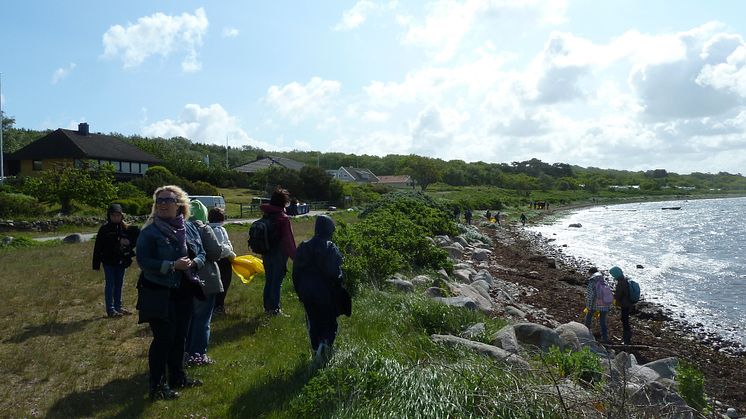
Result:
[{"x": 173, "y": 229}]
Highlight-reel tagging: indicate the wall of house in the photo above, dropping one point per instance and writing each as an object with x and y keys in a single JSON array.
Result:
[{"x": 27, "y": 166}]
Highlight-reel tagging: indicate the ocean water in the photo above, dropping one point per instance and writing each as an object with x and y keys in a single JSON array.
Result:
[{"x": 693, "y": 258}]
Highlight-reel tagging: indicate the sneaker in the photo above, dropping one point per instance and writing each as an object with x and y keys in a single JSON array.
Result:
[
  {"x": 124, "y": 311},
  {"x": 206, "y": 360},
  {"x": 276, "y": 312},
  {"x": 163, "y": 392},
  {"x": 114, "y": 314},
  {"x": 187, "y": 383}
]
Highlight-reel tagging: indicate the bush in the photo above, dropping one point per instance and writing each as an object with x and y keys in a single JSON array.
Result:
[
  {"x": 580, "y": 365},
  {"x": 128, "y": 190},
  {"x": 691, "y": 383},
  {"x": 136, "y": 206},
  {"x": 435, "y": 317},
  {"x": 203, "y": 188},
  {"x": 21, "y": 242},
  {"x": 15, "y": 204},
  {"x": 434, "y": 216}
]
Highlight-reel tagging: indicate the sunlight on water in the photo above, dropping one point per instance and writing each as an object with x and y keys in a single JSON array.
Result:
[{"x": 691, "y": 258}]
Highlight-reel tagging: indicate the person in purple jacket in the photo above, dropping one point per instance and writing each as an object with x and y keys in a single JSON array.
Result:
[{"x": 275, "y": 261}]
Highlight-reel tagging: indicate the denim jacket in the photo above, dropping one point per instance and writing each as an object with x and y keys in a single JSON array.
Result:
[{"x": 155, "y": 253}]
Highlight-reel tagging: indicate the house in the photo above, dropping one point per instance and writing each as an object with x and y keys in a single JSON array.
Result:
[
  {"x": 355, "y": 174},
  {"x": 64, "y": 147},
  {"x": 267, "y": 162},
  {"x": 403, "y": 181}
]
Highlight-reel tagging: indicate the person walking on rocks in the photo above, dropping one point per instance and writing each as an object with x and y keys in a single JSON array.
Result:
[
  {"x": 114, "y": 248},
  {"x": 623, "y": 301},
  {"x": 523, "y": 219},
  {"x": 594, "y": 302},
  {"x": 467, "y": 216}
]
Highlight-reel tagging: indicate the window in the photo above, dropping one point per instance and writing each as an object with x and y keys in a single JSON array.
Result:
[
  {"x": 135, "y": 167},
  {"x": 117, "y": 165},
  {"x": 126, "y": 167},
  {"x": 36, "y": 165},
  {"x": 143, "y": 167}
]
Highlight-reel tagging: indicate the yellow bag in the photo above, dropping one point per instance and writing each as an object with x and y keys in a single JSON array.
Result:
[{"x": 246, "y": 266}]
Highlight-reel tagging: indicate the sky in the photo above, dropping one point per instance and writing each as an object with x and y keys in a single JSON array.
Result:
[{"x": 633, "y": 85}]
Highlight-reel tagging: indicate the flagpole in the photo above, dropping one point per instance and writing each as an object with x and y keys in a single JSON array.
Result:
[{"x": 2, "y": 156}]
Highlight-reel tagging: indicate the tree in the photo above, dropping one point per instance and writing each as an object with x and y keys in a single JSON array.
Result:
[
  {"x": 425, "y": 171},
  {"x": 65, "y": 184},
  {"x": 8, "y": 121}
]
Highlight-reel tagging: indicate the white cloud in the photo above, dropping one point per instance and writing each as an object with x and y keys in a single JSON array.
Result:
[
  {"x": 375, "y": 116},
  {"x": 211, "y": 124},
  {"x": 230, "y": 32},
  {"x": 355, "y": 16},
  {"x": 158, "y": 34},
  {"x": 297, "y": 101},
  {"x": 62, "y": 72}
]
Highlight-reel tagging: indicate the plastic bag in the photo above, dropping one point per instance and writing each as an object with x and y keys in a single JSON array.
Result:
[{"x": 246, "y": 266}]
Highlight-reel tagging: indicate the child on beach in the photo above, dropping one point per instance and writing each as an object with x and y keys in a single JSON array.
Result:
[
  {"x": 594, "y": 302},
  {"x": 623, "y": 301}
]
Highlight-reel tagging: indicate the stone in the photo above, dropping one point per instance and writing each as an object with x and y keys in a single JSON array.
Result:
[
  {"x": 459, "y": 301},
  {"x": 484, "y": 349},
  {"x": 570, "y": 392},
  {"x": 483, "y": 288},
  {"x": 584, "y": 336},
  {"x": 666, "y": 367},
  {"x": 461, "y": 240},
  {"x": 462, "y": 275},
  {"x": 422, "y": 280},
  {"x": 515, "y": 312},
  {"x": 731, "y": 412},
  {"x": 401, "y": 285},
  {"x": 505, "y": 338},
  {"x": 73, "y": 238},
  {"x": 454, "y": 252},
  {"x": 656, "y": 400},
  {"x": 8, "y": 240},
  {"x": 473, "y": 331},
  {"x": 483, "y": 304},
  {"x": 442, "y": 274},
  {"x": 640, "y": 267},
  {"x": 434, "y": 292},
  {"x": 484, "y": 275},
  {"x": 442, "y": 240},
  {"x": 537, "y": 335},
  {"x": 481, "y": 254},
  {"x": 620, "y": 366},
  {"x": 643, "y": 375},
  {"x": 575, "y": 225},
  {"x": 551, "y": 263},
  {"x": 569, "y": 340}
]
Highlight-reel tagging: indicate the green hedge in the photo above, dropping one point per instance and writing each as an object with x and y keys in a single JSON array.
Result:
[{"x": 16, "y": 204}]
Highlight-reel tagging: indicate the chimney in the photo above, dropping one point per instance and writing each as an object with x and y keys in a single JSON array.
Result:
[{"x": 83, "y": 128}]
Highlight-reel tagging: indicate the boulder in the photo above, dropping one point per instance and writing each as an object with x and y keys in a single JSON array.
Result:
[
  {"x": 569, "y": 340},
  {"x": 551, "y": 263},
  {"x": 483, "y": 288},
  {"x": 461, "y": 240},
  {"x": 657, "y": 400},
  {"x": 442, "y": 240},
  {"x": 575, "y": 225},
  {"x": 459, "y": 301},
  {"x": 401, "y": 285},
  {"x": 666, "y": 367},
  {"x": 484, "y": 275},
  {"x": 515, "y": 312},
  {"x": 481, "y": 254},
  {"x": 462, "y": 275},
  {"x": 482, "y": 348},
  {"x": 582, "y": 334},
  {"x": 422, "y": 280},
  {"x": 73, "y": 238},
  {"x": 483, "y": 304},
  {"x": 537, "y": 335},
  {"x": 505, "y": 338},
  {"x": 454, "y": 252},
  {"x": 732, "y": 413},
  {"x": 434, "y": 292},
  {"x": 431, "y": 240},
  {"x": 442, "y": 274},
  {"x": 473, "y": 331},
  {"x": 643, "y": 375},
  {"x": 570, "y": 393}
]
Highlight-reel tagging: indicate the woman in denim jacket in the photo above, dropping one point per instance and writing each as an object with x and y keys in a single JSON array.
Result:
[{"x": 169, "y": 252}]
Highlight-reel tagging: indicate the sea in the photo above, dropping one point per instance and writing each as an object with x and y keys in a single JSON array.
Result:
[{"x": 691, "y": 260}]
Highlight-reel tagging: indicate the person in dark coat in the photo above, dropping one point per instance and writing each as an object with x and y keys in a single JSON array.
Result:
[
  {"x": 317, "y": 270},
  {"x": 275, "y": 261},
  {"x": 467, "y": 215},
  {"x": 622, "y": 300},
  {"x": 114, "y": 248}
]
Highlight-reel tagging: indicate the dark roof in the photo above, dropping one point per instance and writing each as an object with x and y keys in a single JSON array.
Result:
[
  {"x": 69, "y": 144},
  {"x": 361, "y": 175},
  {"x": 267, "y": 162}
]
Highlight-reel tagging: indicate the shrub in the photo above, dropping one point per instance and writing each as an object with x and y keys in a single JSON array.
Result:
[
  {"x": 21, "y": 242},
  {"x": 128, "y": 190},
  {"x": 432, "y": 215},
  {"x": 203, "y": 188},
  {"x": 579, "y": 365},
  {"x": 691, "y": 386},
  {"x": 436, "y": 317},
  {"x": 136, "y": 206},
  {"x": 15, "y": 204}
]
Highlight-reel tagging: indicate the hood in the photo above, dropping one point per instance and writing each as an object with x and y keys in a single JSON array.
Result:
[
  {"x": 197, "y": 211},
  {"x": 324, "y": 227},
  {"x": 616, "y": 272}
]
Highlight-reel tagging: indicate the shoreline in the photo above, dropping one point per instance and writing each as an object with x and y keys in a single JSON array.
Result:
[{"x": 560, "y": 280}]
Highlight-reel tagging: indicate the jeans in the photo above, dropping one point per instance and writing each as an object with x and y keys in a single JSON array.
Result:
[
  {"x": 626, "y": 329},
  {"x": 602, "y": 320},
  {"x": 199, "y": 328},
  {"x": 167, "y": 348},
  {"x": 226, "y": 274},
  {"x": 322, "y": 323},
  {"x": 275, "y": 267},
  {"x": 114, "y": 276}
]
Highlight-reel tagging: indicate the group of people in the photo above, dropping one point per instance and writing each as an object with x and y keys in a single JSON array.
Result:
[
  {"x": 185, "y": 254},
  {"x": 595, "y": 302}
]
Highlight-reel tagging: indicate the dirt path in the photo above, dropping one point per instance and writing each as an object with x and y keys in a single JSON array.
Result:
[{"x": 562, "y": 293}]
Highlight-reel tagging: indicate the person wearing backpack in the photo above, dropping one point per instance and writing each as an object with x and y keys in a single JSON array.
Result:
[
  {"x": 317, "y": 272},
  {"x": 597, "y": 298},
  {"x": 623, "y": 301},
  {"x": 280, "y": 249}
]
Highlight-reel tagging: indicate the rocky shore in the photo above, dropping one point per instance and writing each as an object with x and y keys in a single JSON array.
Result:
[{"x": 530, "y": 261}]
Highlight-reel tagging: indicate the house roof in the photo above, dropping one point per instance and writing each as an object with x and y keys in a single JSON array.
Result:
[
  {"x": 267, "y": 162},
  {"x": 394, "y": 179},
  {"x": 70, "y": 144},
  {"x": 360, "y": 175}
]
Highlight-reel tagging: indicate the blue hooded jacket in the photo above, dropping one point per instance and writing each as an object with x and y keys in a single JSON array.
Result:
[{"x": 317, "y": 267}]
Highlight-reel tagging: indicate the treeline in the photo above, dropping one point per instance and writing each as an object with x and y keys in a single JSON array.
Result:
[{"x": 214, "y": 163}]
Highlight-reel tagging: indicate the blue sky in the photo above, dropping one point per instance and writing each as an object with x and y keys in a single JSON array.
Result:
[{"x": 625, "y": 85}]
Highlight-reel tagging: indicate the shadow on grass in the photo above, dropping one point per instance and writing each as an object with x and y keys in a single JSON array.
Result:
[
  {"x": 272, "y": 394},
  {"x": 127, "y": 394},
  {"x": 52, "y": 328},
  {"x": 238, "y": 327}
]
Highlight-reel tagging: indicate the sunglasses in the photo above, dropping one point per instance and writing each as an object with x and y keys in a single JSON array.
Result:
[{"x": 165, "y": 200}]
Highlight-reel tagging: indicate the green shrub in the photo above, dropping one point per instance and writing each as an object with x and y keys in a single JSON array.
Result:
[
  {"x": 432, "y": 215},
  {"x": 21, "y": 242},
  {"x": 576, "y": 365},
  {"x": 203, "y": 188},
  {"x": 691, "y": 383},
  {"x": 136, "y": 206},
  {"x": 15, "y": 204},
  {"x": 435, "y": 317},
  {"x": 128, "y": 190}
]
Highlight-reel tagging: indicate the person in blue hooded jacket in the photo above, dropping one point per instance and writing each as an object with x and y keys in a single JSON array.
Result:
[{"x": 317, "y": 270}]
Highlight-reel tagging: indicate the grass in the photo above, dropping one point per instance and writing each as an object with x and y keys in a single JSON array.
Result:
[{"x": 234, "y": 197}]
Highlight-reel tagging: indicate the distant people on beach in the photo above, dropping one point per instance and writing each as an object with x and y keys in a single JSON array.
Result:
[
  {"x": 488, "y": 215},
  {"x": 623, "y": 301},
  {"x": 595, "y": 302},
  {"x": 275, "y": 261},
  {"x": 114, "y": 249},
  {"x": 216, "y": 217},
  {"x": 456, "y": 213},
  {"x": 317, "y": 273},
  {"x": 497, "y": 217},
  {"x": 467, "y": 215},
  {"x": 169, "y": 252},
  {"x": 523, "y": 219}
]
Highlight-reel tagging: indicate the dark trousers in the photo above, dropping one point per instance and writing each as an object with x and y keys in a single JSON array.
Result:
[
  {"x": 169, "y": 336},
  {"x": 626, "y": 329},
  {"x": 322, "y": 323},
  {"x": 275, "y": 267},
  {"x": 226, "y": 274}
]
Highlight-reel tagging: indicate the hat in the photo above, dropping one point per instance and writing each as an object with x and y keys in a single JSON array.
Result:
[
  {"x": 198, "y": 211},
  {"x": 115, "y": 208},
  {"x": 616, "y": 272}
]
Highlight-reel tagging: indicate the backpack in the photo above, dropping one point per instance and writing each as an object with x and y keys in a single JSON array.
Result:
[
  {"x": 263, "y": 235},
  {"x": 604, "y": 296},
  {"x": 634, "y": 291}
]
